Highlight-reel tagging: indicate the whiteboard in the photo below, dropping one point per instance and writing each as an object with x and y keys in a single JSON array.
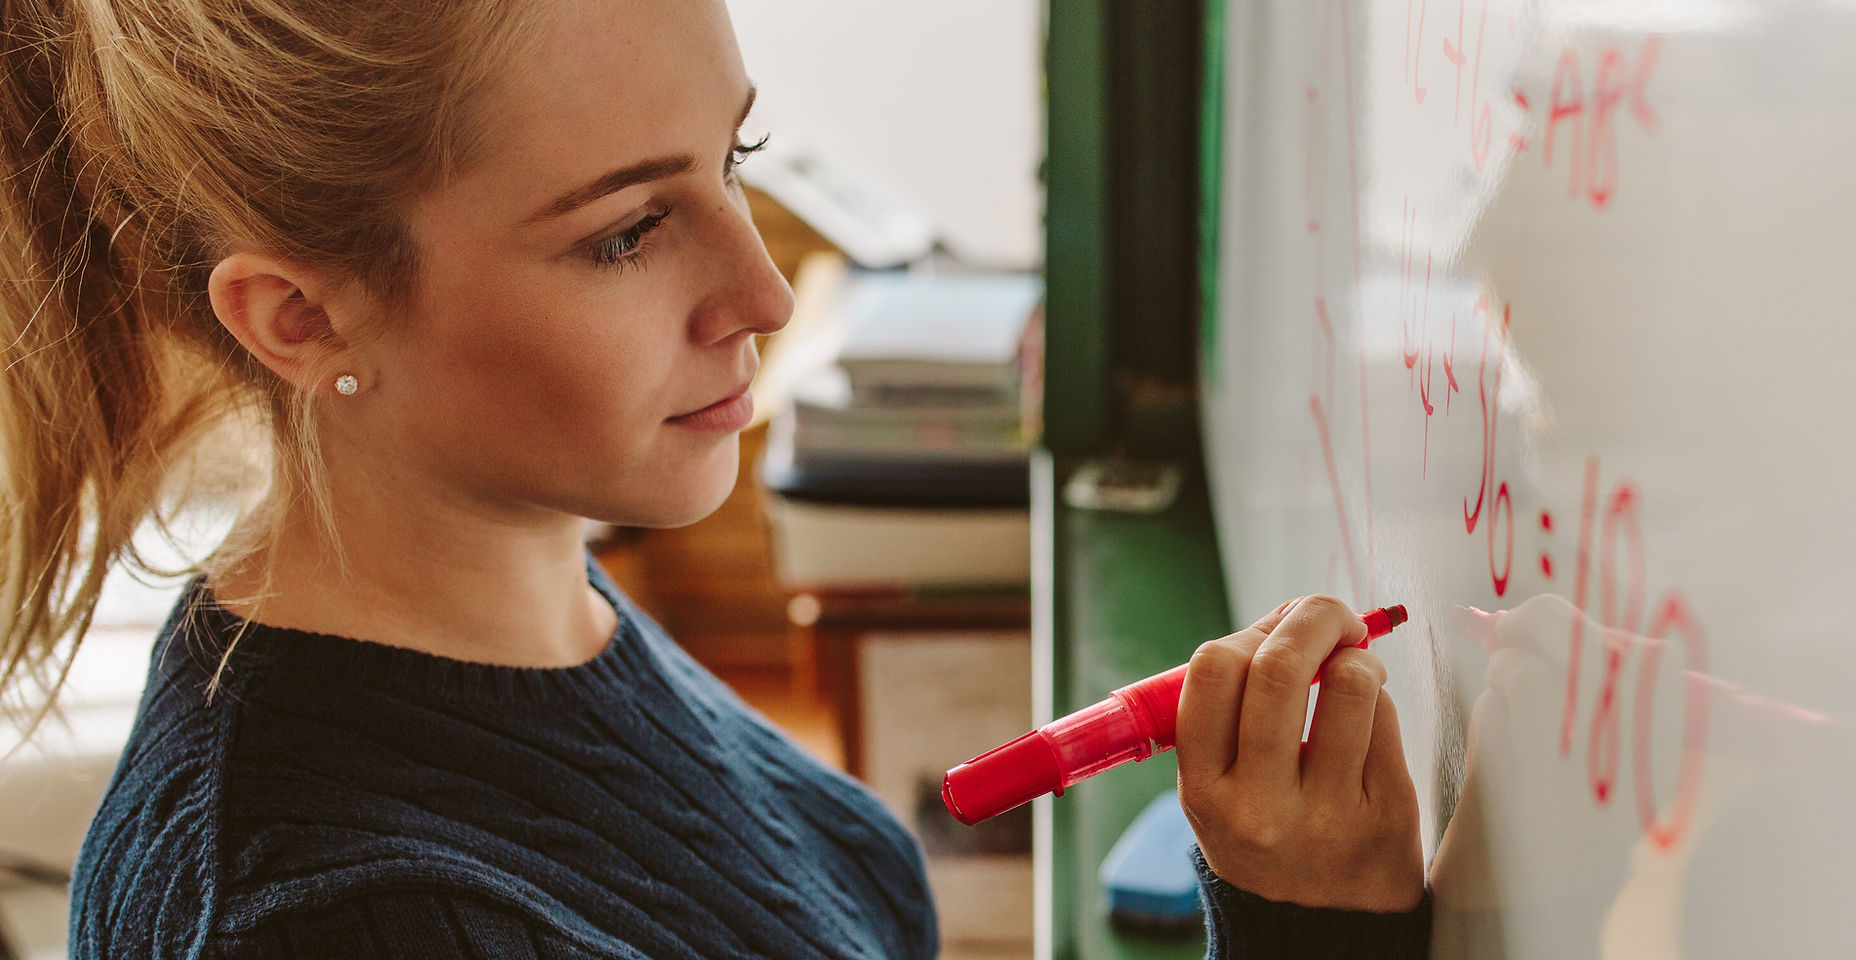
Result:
[{"x": 1545, "y": 307}]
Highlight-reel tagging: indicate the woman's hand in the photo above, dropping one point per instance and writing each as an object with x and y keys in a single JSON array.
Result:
[{"x": 1328, "y": 823}]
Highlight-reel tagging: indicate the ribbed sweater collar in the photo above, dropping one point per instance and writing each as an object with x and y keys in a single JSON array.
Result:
[{"x": 267, "y": 655}]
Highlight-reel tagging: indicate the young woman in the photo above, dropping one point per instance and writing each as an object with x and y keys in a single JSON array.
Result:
[{"x": 482, "y": 268}]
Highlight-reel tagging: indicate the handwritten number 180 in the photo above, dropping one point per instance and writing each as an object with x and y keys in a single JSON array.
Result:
[{"x": 1619, "y": 624}]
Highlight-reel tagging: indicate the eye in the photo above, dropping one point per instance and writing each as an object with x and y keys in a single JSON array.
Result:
[
  {"x": 740, "y": 154},
  {"x": 626, "y": 248}
]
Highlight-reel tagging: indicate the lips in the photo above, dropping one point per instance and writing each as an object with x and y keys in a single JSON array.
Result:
[{"x": 732, "y": 394}]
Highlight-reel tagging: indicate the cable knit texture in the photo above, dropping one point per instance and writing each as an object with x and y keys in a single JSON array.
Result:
[
  {"x": 341, "y": 798},
  {"x": 1243, "y": 926}
]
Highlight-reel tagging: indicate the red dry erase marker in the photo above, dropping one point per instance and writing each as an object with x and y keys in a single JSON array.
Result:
[{"x": 1134, "y": 723}]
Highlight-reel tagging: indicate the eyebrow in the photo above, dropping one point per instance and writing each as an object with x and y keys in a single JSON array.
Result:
[{"x": 644, "y": 171}]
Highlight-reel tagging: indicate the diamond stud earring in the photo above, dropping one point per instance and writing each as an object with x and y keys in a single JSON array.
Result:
[{"x": 346, "y": 384}]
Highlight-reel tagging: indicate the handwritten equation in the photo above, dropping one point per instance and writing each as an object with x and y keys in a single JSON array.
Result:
[
  {"x": 1571, "y": 127},
  {"x": 1581, "y": 106}
]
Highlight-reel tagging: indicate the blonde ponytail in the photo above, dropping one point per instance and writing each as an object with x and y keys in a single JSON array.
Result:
[{"x": 139, "y": 141}]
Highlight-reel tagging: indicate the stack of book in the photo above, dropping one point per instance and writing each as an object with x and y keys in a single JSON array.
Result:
[{"x": 904, "y": 460}]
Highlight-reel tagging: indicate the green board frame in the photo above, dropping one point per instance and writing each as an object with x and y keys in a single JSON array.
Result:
[
  {"x": 1132, "y": 595},
  {"x": 1122, "y": 228},
  {"x": 1133, "y": 214}
]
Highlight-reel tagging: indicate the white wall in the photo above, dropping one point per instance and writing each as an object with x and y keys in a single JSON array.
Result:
[{"x": 942, "y": 100}]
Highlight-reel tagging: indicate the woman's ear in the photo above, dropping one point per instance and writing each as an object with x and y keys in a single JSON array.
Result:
[{"x": 277, "y": 310}]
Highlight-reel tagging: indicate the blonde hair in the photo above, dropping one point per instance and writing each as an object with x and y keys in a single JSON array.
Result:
[{"x": 140, "y": 141}]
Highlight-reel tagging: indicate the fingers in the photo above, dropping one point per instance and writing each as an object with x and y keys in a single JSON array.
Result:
[
  {"x": 1386, "y": 777},
  {"x": 1275, "y": 704},
  {"x": 1209, "y": 701},
  {"x": 1344, "y": 718},
  {"x": 1207, "y": 740}
]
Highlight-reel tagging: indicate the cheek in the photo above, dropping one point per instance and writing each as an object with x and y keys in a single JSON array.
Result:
[
  {"x": 542, "y": 373},
  {"x": 552, "y": 388}
]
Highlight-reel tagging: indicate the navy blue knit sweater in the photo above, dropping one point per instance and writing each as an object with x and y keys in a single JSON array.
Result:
[
  {"x": 349, "y": 799},
  {"x": 340, "y": 798}
]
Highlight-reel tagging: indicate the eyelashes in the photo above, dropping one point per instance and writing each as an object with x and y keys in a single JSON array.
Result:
[
  {"x": 628, "y": 247},
  {"x": 741, "y": 153}
]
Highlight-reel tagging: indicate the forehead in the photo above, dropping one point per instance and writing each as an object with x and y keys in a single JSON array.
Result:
[{"x": 608, "y": 83}]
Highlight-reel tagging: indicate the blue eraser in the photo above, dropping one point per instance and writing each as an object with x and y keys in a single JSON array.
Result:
[{"x": 1148, "y": 881}]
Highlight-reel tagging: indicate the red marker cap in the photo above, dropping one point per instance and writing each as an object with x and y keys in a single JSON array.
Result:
[{"x": 1002, "y": 778}]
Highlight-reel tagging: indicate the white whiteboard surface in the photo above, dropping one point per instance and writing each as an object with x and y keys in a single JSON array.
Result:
[{"x": 1547, "y": 307}]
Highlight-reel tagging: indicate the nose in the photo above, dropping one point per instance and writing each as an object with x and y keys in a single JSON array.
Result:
[{"x": 746, "y": 290}]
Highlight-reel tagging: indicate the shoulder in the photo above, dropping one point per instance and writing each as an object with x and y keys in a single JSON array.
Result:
[
  {"x": 146, "y": 873},
  {"x": 199, "y": 852},
  {"x": 406, "y": 917}
]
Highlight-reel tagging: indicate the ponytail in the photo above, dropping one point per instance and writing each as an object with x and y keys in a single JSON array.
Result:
[
  {"x": 89, "y": 417},
  {"x": 138, "y": 140}
]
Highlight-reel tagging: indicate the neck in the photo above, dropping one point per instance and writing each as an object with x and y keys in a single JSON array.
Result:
[{"x": 431, "y": 576}]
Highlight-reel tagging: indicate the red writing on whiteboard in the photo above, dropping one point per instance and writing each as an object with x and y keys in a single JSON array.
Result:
[
  {"x": 1489, "y": 491},
  {"x": 1571, "y": 124},
  {"x": 1414, "y": 304},
  {"x": 1622, "y": 606},
  {"x": 1414, "y": 53},
  {"x": 1546, "y": 559},
  {"x": 1580, "y": 130},
  {"x": 1584, "y": 126},
  {"x": 1454, "y": 54},
  {"x": 1315, "y": 164},
  {"x": 1340, "y": 498}
]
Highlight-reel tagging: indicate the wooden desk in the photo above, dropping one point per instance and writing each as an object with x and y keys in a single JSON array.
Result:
[{"x": 827, "y": 623}]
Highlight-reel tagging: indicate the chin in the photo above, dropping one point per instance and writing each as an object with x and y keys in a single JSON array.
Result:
[{"x": 691, "y": 496}]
